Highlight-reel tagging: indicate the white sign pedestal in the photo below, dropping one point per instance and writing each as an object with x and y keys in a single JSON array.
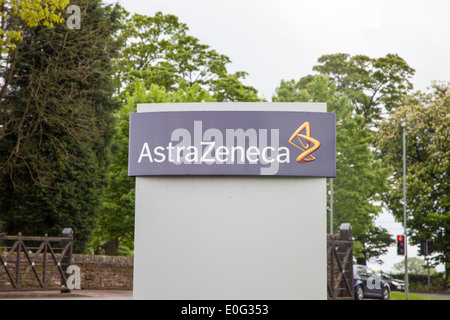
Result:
[{"x": 230, "y": 237}]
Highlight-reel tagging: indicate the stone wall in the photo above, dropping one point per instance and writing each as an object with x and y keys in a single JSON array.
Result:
[
  {"x": 104, "y": 272},
  {"x": 96, "y": 272}
]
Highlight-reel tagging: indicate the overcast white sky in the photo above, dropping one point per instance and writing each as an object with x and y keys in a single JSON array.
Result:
[{"x": 282, "y": 39}]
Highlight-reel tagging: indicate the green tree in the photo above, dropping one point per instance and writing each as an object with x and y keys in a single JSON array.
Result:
[
  {"x": 160, "y": 63},
  {"x": 427, "y": 117},
  {"x": 116, "y": 220},
  {"x": 15, "y": 18},
  {"x": 57, "y": 125},
  {"x": 374, "y": 244},
  {"x": 415, "y": 266},
  {"x": 289, "y": 91},
  {"x": 160, "y": 51},
  {"x": 373, "y": 86},
  {"x": 359, "y": 177}
]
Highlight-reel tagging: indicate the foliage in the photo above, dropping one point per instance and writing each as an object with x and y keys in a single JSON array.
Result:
[
  {"x": 116, "y": 220},
  {"x": 428, "y": 165},
  {"x": 57, "y": 127},
  {"x": 160, "y": 51},
  {"x": 288, "y": 91},
  {"x": 15, "y": 16},
  {"x": 375, "y": 244},
  {"x": 160, "y": 63},
  {"x": 359, "y": 177},
  {"x": 371, "y": 85},
  {"x": 415, "y": 266}
]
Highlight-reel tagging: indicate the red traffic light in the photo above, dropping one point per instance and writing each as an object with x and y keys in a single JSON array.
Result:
[{"x": 400, "y": 244}]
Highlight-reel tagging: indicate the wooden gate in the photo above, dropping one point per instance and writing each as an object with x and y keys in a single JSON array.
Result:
[
  {"x": 340, "y": 264},
  {"x": 35, "y": 263}
]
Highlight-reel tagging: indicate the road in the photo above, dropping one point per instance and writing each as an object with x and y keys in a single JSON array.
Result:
[{"x": 75, "y": 294}]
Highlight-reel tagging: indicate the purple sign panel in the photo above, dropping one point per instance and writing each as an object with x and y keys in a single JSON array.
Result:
[{"x": 280, "y": 143}]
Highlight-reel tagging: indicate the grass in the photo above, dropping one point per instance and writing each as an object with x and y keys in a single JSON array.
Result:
[{"x": 412, "y": 296}]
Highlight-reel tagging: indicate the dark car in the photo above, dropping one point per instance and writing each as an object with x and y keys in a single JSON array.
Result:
[
  {"x": 394, "y": 284},
  {"x": 368, "y": 284}
]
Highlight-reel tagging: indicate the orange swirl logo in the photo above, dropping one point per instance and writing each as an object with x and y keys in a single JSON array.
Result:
[{"x": 306, "y": 155}]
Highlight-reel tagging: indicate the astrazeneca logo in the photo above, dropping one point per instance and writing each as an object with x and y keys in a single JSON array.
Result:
[
  {"x": 230, "y": 146},
  {"x": 214, "y": 146},
  {"x": 254, "y": 143},
  {"x": 307, "y": 151}
]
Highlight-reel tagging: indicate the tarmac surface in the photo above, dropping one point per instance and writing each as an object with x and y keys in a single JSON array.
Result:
[
  {"x": 73, "y": 295},
  {"x": 114, "y": 295}
]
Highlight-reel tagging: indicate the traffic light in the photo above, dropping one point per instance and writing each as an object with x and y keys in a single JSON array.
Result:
[
  {"x": 401, "y": 245},
  {"x": 423, "y": 248}
]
